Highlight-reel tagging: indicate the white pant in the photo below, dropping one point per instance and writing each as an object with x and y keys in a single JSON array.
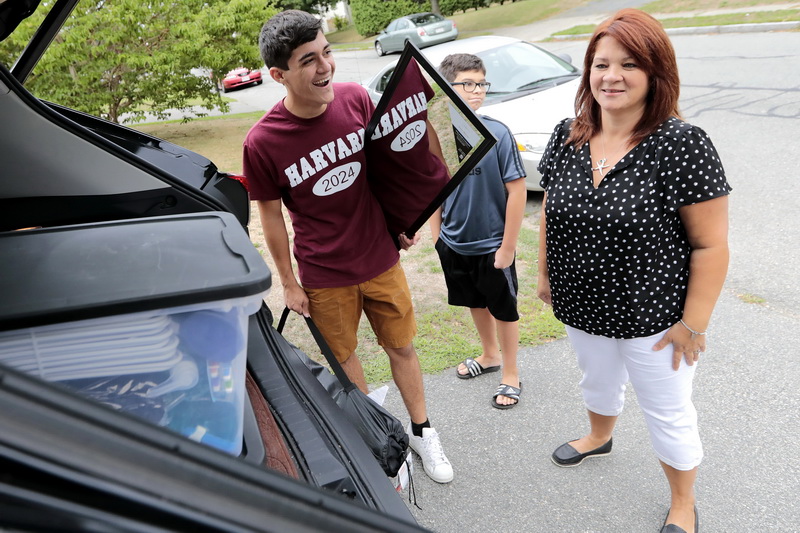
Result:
[{"x": 665, "y": 395}]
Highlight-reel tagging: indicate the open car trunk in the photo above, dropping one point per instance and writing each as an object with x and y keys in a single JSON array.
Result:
[{"x": 71, "y": 463}]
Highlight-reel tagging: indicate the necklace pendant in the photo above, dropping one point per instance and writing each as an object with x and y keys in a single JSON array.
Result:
[{"x": 601, "y": 165}]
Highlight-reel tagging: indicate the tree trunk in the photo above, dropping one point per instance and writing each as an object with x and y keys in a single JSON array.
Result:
[
  {"x": 347, "y": 12},
  {"x": 435, "y": 7}
]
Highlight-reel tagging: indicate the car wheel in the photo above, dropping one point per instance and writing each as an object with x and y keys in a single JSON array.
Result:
[
  {"x": 379, "y": 49},
  {"x": 259, "y": 82}
]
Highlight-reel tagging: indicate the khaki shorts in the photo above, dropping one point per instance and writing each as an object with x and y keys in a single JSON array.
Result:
[{"x": 385, "y": 299}]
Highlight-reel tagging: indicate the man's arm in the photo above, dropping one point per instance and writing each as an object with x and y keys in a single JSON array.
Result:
[
  {"x": 435, "y": 148},
  {"x": 277, "y": 238},
  {"x": 434, "y": 145}
]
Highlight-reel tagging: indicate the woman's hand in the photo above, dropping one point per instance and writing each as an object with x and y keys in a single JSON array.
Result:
[
  {"x": 543, "y": 289},
  {"x": 684, "y": 345}
]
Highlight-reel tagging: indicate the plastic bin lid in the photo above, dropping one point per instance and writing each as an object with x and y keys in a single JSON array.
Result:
[{"x": 86, "y": 271}]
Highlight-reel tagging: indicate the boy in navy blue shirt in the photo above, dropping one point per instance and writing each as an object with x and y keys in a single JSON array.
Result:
[{"x": 476, "y": 238}]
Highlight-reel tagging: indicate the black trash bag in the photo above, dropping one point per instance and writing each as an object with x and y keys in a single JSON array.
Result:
[{"x": 381, "y": 431}]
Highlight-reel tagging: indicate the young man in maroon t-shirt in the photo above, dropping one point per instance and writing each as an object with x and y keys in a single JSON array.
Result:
[{"x": 307, "y": 152}]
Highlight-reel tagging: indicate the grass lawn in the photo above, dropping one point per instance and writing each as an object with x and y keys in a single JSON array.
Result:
[
  {"x": 785, "y": 15},
  {"x": 676, "y": 6},
  {"x": 446, "y": 334},
  {"x": 663, "y": 7}
]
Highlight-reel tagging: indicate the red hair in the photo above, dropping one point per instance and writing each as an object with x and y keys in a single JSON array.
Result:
[{"x": 645, "y": 39}]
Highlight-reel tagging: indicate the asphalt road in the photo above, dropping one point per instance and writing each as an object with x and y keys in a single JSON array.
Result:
[{"x": 744, "y": 90}]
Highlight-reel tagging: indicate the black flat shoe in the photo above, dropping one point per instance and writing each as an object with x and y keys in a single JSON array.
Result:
[
  {"x": 565, "y": 455},
  {"x": 672, "y": 528}
]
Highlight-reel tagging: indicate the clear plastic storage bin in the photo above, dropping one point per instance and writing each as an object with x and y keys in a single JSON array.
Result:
[{"x": 88, "y": 306}]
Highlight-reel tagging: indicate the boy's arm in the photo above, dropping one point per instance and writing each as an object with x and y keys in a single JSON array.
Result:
[
  {"x": 277, "y": 238},
  {"x": 435, "y": 223},
  {"x": 515, "y": 211}
]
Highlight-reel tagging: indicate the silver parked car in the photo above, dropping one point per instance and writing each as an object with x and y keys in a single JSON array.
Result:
[
  {"x": 422, "y": 29},
  {"x": 532, "y": 90}
]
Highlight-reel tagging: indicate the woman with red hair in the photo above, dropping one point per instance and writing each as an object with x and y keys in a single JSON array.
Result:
[{"x": 633, "y": 249}]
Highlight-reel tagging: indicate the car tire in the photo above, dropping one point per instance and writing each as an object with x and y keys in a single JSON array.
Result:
[
  {"x": 379, "y": 49},
  {"x": 259, "y": 82}
]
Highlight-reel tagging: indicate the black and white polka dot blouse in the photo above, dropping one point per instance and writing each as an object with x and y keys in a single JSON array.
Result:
[{"x": 618, "y": 255}]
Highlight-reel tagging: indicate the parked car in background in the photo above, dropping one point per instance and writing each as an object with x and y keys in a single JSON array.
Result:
[
  {"x": 532, "y": 90},
  {"x": 240, "y": 77},
  {"x": 422, "y": 29},
  {"x": 138, "y": 391}
]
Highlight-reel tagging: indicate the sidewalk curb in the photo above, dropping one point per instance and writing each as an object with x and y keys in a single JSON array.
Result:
[{"x": 693, "y": 30}]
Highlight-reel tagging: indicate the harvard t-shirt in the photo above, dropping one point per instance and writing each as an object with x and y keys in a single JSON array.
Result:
[
  {"x": 317, "y": 167},
  {"x": 405, "y": 176}
]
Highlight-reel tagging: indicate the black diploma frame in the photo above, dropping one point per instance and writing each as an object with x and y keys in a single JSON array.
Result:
[{"x": 464, "y": 138}]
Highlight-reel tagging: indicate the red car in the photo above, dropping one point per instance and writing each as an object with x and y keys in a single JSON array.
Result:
[{"x": 240, "y": 77}]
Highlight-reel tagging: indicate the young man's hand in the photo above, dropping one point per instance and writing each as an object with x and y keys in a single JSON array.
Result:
[
  {"x": 405, "y": 242},
  {"x": 295, "y": 299}
]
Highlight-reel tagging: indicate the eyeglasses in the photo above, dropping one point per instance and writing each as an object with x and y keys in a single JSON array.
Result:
[{"x": 470, "y": 86}]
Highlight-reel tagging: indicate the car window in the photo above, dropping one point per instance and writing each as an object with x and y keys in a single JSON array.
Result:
[
  {"x": 427, "y": 18},
  {"x": 384, "y": 81},
  {"x": 403, "y": 24},
  {"x": 511, "y": 68},
  {"x": 516, "y": 66},
  {"x": 392, "y": 25}
]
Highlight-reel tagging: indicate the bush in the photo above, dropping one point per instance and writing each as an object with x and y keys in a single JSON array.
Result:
[
  {"x": 340, "y": 23},
  {"x": 449, "y": 7},
  {"x": 371, "y": 16}
]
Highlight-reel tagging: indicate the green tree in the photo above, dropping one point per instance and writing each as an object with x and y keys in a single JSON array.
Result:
[
  {"x": 316, "y": 7},
  {"x": 126, "y": 57},
  {"x": 371, "y": 16}
]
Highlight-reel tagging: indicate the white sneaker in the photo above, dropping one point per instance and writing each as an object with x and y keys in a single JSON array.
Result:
[{"x": 429, "y": 449}]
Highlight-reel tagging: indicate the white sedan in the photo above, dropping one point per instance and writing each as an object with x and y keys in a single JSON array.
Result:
[{"x": 532, "y": 90}]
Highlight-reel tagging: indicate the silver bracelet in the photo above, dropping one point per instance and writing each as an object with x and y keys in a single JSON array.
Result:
[{"x": 693, "y": 332}]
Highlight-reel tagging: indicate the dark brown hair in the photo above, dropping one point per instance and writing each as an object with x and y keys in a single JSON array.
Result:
[
  {"x": 645, "y": 39},
  {"x": 284, "y": 32},
  {"x": 454, "y": 64}
]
